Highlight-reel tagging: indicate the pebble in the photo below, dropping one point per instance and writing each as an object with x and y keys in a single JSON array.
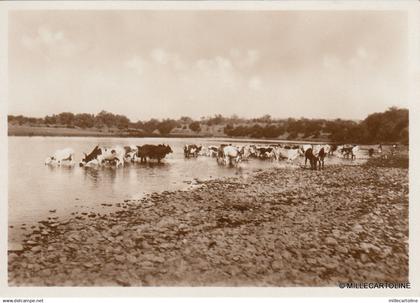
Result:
[
  {"x": 15, "y": 247},
  {"x": 331, "y": 241},
  {"x": 36, "y": 248},
  {"x": 357, "y": 228}
]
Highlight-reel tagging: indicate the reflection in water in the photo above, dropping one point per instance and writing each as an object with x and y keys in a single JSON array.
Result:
[
  {"x": 59, "y": 169},
  {"x": 111, "y": 175},
  {"x": 91, "y": 174},
  {"x": 100, "y": 174}
]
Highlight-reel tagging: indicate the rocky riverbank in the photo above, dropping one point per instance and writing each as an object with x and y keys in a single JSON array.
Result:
[{"x": 279, "y": 227}]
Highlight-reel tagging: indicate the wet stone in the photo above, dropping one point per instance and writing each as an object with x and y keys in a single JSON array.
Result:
[{"x": 15, "y": 247}]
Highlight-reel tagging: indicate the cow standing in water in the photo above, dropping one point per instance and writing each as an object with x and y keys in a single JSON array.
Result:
[
  {"x": 102, "y": 155},
  {"x": 232, "y": 155},
  {"x": 92, "y": 157},
  {"x": 311, "y": 157},
  {"x": 157, "y": 152},
  {"x": 61, "y": 157},
  {"x": 332, "y": 148},
  {"x": 321, "y": 156},
  {"x": 192, "y": 150},
  {"x": 350, "y": 152},
  {"x": 212, "y": 151},
  {"x": 130, "y": 153},
  {"x": 264, "y": 152}
]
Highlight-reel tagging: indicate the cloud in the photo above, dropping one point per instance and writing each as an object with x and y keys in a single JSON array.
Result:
[
  {"x": 218, "y": 69},
  {"x": 49, "y": 42},
  {"x": 360, "y": 58},
  {"x": 137, "y": 64},
  {"x": 161, "y": 65},
  {"x": 245, "y": 58},
  {"x": 160, "y": 56},
  {"x": 220, "y": 72},
  {"x": 163, "y": 57}
]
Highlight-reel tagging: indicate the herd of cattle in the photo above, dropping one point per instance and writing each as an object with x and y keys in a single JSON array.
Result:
[
  {"x": 232, "y": 155},
  {"x": 225, "y": 154},
  {"x": 115, "y": 156}
]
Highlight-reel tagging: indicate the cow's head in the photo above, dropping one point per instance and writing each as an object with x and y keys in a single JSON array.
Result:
[
  {"x": 49, "y": 160},
  {"x": 83, "y": 162},
  {"x": 168, "y": 149}
]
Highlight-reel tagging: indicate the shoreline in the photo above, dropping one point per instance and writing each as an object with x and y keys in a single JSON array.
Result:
[
  {"x": 35, "y": 131},
  {"x": 302, "y": 228},
  {"x": 80, "y": 133}
]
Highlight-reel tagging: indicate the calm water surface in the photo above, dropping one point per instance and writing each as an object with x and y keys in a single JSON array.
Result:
[{"x": 35, "y": 189}]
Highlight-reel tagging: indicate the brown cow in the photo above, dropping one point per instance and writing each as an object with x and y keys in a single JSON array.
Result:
[{"x": 150, "y": 151}]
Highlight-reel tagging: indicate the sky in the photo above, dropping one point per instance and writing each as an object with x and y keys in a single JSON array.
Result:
[{"x": 167, "y": 64}]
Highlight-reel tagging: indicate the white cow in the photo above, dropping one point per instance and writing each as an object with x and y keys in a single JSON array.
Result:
[
  {"x": 212, "y": 151},
  {"x": 349, "y": 151},
  {"x": 317, "y": 148},
  {"x": 305, "y": 147},
  {"x": 231, "y": 155},
  {"x": 292, "y": 154},
  {"x": 130, "y": 153},
  {"x": 280, "y": 153},
  {"x": 61, "y": 157},
  {"x": 112, "y": 156},
  {"x": 104, "y": 156}
]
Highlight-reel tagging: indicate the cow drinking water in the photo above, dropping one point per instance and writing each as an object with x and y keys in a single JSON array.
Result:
[
  {"x": 311, "y": 157},
  {"x": 61, "y": 157},
  {"x": 102, "y": 155},
  {"x": 130, "y": 153},
  {"x": 232, "y": 155}
]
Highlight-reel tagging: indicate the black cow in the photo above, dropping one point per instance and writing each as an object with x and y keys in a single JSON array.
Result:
[
  {"x": 291, "y": 146},
  {"x": 264, "y": 151},
  {"x": 312, "y": 158},
  {"x": 321, "y": 157},
  {"x": 92, "y": 156},
  {"x": 348, "y": 152},
  {"x": 150, "y": 151},
  {"x": 333, "y": 148}
]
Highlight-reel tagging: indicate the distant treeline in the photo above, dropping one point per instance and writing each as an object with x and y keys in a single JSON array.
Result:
[{"x": 389, "y": 126}]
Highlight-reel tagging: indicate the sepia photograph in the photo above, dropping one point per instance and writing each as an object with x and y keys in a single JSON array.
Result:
[{"x": 166, "y": 147}]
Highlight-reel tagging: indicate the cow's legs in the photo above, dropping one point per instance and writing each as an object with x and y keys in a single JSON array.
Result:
[{"x": 313, "y": 164}]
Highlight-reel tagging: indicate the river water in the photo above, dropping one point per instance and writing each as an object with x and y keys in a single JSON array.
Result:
[{"x": 37, "y": 191}]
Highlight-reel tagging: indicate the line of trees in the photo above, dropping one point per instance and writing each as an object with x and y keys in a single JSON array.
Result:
[{"x": 389, "y": 126}]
